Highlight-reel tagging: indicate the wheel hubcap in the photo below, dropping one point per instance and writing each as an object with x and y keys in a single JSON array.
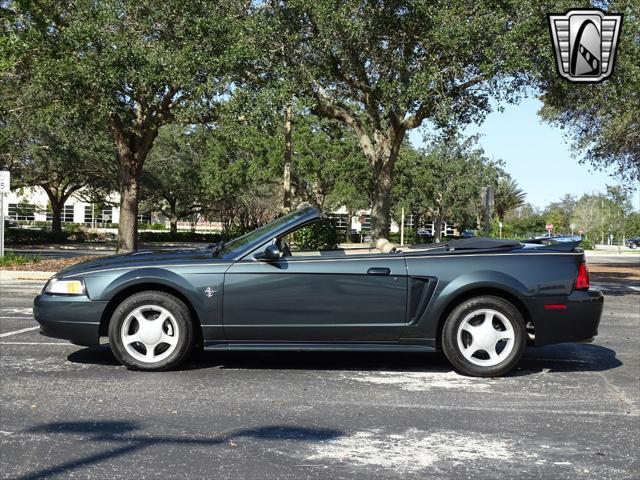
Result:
[
  {"x": 486, "y": 337},
  {"x": 150, "y": 333}
]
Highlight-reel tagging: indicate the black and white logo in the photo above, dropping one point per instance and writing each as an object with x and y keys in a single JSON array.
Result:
[{"x": 585, "y": 43}]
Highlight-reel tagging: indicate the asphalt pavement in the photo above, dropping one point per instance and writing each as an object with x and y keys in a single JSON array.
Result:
[{"x": 569, "y": 411}]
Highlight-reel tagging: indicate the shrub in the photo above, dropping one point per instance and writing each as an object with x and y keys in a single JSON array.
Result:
[
  {"x": 587, "y": 244},
  {"x": 410, "y": 237},
  {"x": 318, "y": 236},
  {"x": 25, "y": 236}
]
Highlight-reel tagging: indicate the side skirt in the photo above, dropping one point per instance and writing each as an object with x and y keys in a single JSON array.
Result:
[{"x": 318, "y": 347}]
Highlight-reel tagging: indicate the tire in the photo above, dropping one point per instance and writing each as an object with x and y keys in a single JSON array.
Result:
[
  {"x": 633, "y": 246},
  {"x": 136, "y": 329},
  {"x": 470, "y": 353}
]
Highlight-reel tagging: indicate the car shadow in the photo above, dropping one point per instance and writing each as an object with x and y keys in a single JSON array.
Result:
[
  {"x": 565, "y": 357},
  {"x": 127, "y": 441}
]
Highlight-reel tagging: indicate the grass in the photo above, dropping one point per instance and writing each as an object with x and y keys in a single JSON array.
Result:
[{"x": 12, "y": 259}]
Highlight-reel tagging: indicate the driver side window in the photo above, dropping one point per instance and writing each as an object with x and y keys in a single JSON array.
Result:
[{"x": 316, "y": 239}]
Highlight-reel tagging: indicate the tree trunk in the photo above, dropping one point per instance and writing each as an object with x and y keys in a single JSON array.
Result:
[
  {"x": 348, "y": 227},
  {"x": 128, "y": 225},
  {"x": 132, "y": 147},
  {"x": 437, "y": 228},
  {"x": 173, "y": 222},
  {"x": 287, "y": 159},
  {"x": 381, "y": 203},
  {"x": 57, "y": 204},
  {"x": 383, "y": 166},
  {"x": 56, "y": 217}
]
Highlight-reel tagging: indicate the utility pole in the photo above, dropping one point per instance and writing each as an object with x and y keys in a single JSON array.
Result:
[
  {"x": 487, "y": 195},
  {"x": 402, "y": 228}
]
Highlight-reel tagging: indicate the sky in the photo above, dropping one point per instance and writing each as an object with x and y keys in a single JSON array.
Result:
[{"x": 536, "y": 154}]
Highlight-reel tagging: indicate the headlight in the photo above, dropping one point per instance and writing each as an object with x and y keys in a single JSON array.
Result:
[{"x": 65, "y": 287}]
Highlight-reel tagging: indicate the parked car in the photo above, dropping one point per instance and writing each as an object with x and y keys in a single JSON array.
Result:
[
  {"x": 479, "y": 300},
  {"x": 633, "y": 242}
]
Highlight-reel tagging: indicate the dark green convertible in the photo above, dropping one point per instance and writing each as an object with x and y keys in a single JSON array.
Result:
[{"x": 479, "y": 300}]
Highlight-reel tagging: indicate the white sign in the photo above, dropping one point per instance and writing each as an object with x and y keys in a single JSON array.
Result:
[{"x": 5, "y": 180}]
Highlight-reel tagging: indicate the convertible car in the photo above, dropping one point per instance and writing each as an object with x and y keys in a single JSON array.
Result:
[{"x": 481, "y": 301}]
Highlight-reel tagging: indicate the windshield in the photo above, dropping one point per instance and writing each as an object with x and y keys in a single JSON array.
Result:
[{"x": 247, "y": 238}]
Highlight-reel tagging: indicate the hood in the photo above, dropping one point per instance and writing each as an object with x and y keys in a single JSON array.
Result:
[{"x": 140, "y": 258}]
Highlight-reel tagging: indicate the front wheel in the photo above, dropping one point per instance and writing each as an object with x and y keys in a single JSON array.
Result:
[
  {"x": 151, "y": 331},
  {"x": 484, "y": 337}
]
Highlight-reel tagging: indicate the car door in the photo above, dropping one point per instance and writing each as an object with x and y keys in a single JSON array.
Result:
[{"x": 311, "y": 299}]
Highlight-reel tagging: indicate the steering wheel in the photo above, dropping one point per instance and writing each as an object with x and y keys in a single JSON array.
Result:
[{"x": 285, "y": 248}]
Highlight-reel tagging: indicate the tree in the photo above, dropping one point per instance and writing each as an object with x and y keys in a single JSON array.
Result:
[
  {"x": 171, "y": 179},
  {"x": 137, "y": 66},
  {"x": 442, "y": 181},
  {"x": 386, "y": 67},
  {"x": 600, "y": 215},
  {"x": 60, "y": 154},
  {"x": 329, "y": 169},
  {"x": 602, "y": 119},
  {"x": 508, "y": 196}
]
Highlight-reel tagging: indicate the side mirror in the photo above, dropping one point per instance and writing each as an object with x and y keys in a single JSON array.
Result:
[{"x": 272, "y": 253}]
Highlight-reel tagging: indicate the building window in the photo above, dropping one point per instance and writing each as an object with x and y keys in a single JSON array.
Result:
[
  {"x": 100, "y": 216},
  {"x": 408, "y": 221},
  {"x": 365, "y": 223},
  {"x": 340, "y": 220},
  {"x": 67, "y": 214},
  {"x": 22, "y": 211},
  {"x": 144, "y": 218}
]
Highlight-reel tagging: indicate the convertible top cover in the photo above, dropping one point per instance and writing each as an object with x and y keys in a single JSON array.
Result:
[{"x": 481, "y": 243}]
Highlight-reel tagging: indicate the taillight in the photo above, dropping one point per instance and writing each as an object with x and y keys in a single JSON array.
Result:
[{"x": 582, "y": 280}]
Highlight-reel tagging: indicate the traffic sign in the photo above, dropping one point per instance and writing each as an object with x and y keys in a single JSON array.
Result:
[
  {"x": 5, "y": 181},
  {"x": 549, "y": 227}
]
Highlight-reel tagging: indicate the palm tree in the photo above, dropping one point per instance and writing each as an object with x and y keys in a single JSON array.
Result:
[{"x": 508, "y": 196}]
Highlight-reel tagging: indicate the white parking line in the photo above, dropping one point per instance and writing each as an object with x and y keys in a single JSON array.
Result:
[
  {"x": 37, "y": 343},
  {"x": 24, "y": 311},
  {"x": 15, "y": 332}
]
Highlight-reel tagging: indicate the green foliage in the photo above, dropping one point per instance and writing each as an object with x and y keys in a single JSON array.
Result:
[
  {"x": 632, "y": 227},
  {"x": 443, "y": 181},
  {"x": 587, "y": 244},
  {"x": 507, "y": 196},
  {"x": 410, "y": 237},
  {"x": 11, "y": 259},
  {"x": 317, "y": 236},
  {"x": 602, "y": 119},
  {"x": 24, "y": 236}
]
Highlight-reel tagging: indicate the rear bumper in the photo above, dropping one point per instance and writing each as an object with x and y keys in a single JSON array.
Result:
[
  {"x": 578, "y": 322},
  {"x": 76, "y": 319}
]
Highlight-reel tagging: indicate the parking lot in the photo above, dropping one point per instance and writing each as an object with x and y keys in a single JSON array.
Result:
[{"x": 569, "y": 411}]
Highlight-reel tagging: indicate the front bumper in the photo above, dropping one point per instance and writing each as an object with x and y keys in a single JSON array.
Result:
[
  {"x": 577, "y": 323},
  {"x": 73, "y": 318}
]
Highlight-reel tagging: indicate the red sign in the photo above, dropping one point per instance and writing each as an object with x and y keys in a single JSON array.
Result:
[{"x": 549, "y": 227}]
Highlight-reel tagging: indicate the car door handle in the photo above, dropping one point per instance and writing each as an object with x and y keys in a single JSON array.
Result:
[{"x": 379, "y": 271}]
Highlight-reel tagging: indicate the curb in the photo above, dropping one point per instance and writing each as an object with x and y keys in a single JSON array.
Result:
[{"x": 25, "y": 275}]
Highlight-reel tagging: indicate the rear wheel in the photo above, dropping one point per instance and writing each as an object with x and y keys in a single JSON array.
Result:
[
  {"x": 484, "y": 337},
  {"x": 151, "y": 331}
]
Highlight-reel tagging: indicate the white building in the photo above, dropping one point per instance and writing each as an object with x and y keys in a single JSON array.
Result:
[{"x": 32, "y": 205}]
